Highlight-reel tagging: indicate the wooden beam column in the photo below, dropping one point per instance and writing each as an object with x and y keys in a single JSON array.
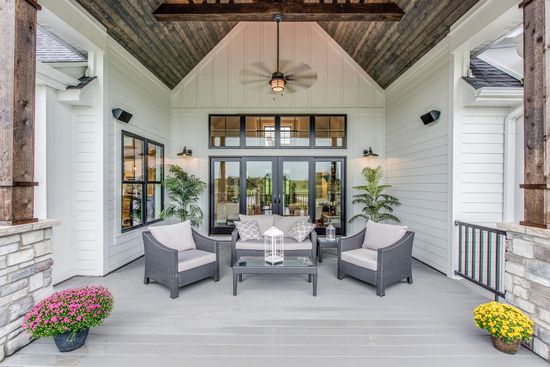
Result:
[{"x": 17, "y": 89}]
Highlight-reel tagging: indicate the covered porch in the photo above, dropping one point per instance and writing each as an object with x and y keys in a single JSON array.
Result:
[{"x": 275, "y": 321}]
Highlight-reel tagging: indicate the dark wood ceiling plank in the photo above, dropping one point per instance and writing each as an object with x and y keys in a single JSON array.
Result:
[
  {"x": 294, "y": 11},
  {"x": 130, "y": 40}
]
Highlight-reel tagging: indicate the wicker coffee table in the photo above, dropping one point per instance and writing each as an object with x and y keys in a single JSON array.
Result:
[{"x": 291, "y": 265}]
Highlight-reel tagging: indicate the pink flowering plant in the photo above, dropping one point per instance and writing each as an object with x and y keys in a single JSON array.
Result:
[{"x": 69, "y": 310}]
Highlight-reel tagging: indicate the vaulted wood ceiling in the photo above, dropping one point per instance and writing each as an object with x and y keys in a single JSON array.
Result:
[{"x": 170, "y": 50}]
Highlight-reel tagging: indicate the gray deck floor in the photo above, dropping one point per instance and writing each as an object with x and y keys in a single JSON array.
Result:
[{"x": 275, "y": 321}]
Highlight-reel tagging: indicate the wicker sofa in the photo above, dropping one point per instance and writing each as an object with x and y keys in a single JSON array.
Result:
[
  {"x": 240, "y": 248},
  {"x": 175, "y": 269},
  {"x": 382, "y": 267}
]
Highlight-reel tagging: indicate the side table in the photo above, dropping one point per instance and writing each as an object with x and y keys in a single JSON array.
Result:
[{"x": 323, "y": 242}]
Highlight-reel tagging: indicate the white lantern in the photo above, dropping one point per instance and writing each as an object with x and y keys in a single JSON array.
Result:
[
  {"x": 331, "y": 232},
  {"x": 274, "y": 246}
]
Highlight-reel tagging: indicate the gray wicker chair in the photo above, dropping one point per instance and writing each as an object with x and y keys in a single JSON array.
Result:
[
  {"x": 236, "y": 253},
  {"x": 394, "y": 263},
  {"x": 161, "y": 263}
]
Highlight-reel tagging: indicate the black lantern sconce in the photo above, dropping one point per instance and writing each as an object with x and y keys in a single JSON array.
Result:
[
  {"x": 185, "y": 153},
  {"x": 369, "y": 153}
]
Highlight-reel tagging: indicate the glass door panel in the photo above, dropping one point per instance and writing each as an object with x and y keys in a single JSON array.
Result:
[
  {"x": 295, "y": 188},
  {"x": 226, "y": 193},
  {"x": 329, "y": 194},
  {"x": 259, "y": 187}
]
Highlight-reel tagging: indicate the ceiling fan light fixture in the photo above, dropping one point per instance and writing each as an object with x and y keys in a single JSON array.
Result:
[{"x": 277, "y": 82}]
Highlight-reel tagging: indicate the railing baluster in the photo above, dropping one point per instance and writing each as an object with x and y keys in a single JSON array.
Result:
[
  {"x": 467, "y": 246},
  {"x": 480, "y": 270},
  {"x": 489, "y": 259},
  {"x": 473, "y": 275},
  {"x": 460, "y": 248},
  {"x": 497, "y": 266}
]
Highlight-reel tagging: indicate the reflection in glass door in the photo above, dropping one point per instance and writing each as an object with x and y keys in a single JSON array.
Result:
[
  {"x": 225, "y": 204},
  {"x": 259, "y": 187},
  {"x": 295, "y": 188},
  {"x": 328, "y": 193}
]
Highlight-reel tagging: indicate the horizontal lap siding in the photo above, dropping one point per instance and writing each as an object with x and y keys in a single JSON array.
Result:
[
  {"x": 133, "y": 89},
  {"x": 417, "y": 160},
  {"x": 482, "y": 165}
]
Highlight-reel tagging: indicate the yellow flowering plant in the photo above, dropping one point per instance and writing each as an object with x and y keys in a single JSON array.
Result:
[{"x": 504, "y": 321}]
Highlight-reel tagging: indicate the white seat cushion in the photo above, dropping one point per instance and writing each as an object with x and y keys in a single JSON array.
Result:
[
  {"x": 286, "y": 223},
  {"x": 380, "y": 235},
  {"x": 362, "y": 257},
  {"x": 193, "y": 258},
  {"x": 290, "y": 244},
  {"x": 264, "y": 221},
  {"x": 176, "y": 236}
]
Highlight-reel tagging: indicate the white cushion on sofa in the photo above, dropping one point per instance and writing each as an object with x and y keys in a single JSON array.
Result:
[
  {"x": 290, "y": 244},
  {"x": 362, "y": 257},
  {"x": 380, "y": 235},
  {"x": 264, "y": 221},
  {"x": 191, "y": 259},
  {"x": 286, "y": 223},
  {"x": 177, "y": 236}
]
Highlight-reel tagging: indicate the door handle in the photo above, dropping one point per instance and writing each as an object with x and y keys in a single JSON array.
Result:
[{"x": 279, "y": 199}]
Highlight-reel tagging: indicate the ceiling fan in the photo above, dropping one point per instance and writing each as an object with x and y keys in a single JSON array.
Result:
[{"x": 297, "y": 75}]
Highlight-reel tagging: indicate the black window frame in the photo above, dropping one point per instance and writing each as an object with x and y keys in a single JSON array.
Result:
[
  {"x": 143, "y": 182},
  {"x": 311, "y": 145},
  {"x": 277, "y": 161}
]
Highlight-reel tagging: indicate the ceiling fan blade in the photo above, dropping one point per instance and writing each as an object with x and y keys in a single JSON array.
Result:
[
  {"x": 250, "y": 82},
  {"x": 262, "y": 68},
  {"x": 289, "y": 89},
  {"x": 309, "y": 76},
  {"x": 297, "y": 68}
]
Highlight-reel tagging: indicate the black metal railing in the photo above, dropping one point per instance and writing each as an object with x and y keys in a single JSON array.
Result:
[{"x": 481, "y": 256}]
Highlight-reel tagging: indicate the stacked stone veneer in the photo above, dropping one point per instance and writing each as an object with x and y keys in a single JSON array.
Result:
[
  {"x": 25, "y": 278},
  {"x": 527, "y": 279}
]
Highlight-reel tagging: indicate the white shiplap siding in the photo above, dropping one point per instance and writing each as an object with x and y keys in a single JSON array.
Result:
[
  {"x": 482, "y": 165},
  {"x": 417, "y": 158}
]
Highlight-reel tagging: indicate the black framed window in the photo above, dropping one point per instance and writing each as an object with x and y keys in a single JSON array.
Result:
[
  {"x": 142, "y": 194},
  {"x": 277, "y": 131}
]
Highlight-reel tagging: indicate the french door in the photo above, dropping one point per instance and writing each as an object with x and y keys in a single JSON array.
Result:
[{"x": 288, "y": 186}]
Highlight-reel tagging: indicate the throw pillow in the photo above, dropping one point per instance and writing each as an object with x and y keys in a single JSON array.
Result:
[
  {"x": 380, "y": 235},
  {"x": 301, "y": 230},
  {"x": 177, "y": 236},
  {"x": 248, "y": 230},
  {"x": 286, "y": 223},
  {"x": 264, "y": 221}
]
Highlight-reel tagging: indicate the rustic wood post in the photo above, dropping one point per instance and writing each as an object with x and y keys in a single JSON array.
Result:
[
  {"x": 17, "y": 89},
  {"x": 537, "y": 117}
]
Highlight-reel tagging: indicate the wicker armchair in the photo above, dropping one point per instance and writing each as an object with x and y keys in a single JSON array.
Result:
[
  {"x": 257, "y": 248},
  {"x": 162, "y": 263},
  {"x": 392, "y": 264}
]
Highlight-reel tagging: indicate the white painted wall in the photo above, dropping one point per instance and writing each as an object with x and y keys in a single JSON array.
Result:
[
  {"x": 134, "y": 89},
  {"x": 417, "y": 156},
  {"x": 214, "y": 86}
]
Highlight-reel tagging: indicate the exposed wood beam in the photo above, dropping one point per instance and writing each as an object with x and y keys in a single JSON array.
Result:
[
  {"x": 537, "y": 114},
  {"x": 292, "y": 11},
  {"x": 17, "y": 86}
]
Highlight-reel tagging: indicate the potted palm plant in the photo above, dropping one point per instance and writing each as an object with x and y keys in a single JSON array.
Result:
[
  {"x": 183, "y": 191},
  {"x": 377, "y": 204}
]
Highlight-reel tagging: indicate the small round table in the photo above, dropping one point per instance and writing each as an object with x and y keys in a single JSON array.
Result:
[{"x": 323, "y": 242}]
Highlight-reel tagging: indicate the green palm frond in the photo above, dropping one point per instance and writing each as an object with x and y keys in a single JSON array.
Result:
[
  {"x": 183, "y": 191},
  {"x": 377, "y": 205}
]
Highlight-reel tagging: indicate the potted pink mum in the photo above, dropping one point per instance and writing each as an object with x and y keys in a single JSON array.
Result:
[{"x": 68, "y": 315}]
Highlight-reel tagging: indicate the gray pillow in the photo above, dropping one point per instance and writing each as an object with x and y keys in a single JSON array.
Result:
[
  {"x": 248, "y": 230},
  {"x": 301, "y": 230}
]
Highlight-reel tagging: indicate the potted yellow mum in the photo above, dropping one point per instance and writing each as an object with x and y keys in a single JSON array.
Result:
[{"x": 507, "y": 325}]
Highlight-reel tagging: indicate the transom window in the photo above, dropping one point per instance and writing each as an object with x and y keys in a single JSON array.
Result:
[
  {"x": 277, "y": 131},
  {"x": 142, "y": 181}
]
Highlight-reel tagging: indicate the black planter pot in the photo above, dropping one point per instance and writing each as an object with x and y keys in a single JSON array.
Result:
[{"x": 69, "y": 341}]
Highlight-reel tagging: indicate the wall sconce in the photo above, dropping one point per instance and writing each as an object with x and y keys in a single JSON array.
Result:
[
  {"x": 369, "y": 153},
  {"x": 185, "y": 153},
  {"x": 430, "y": 117},
  {"x": 122, "y": 115}
]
